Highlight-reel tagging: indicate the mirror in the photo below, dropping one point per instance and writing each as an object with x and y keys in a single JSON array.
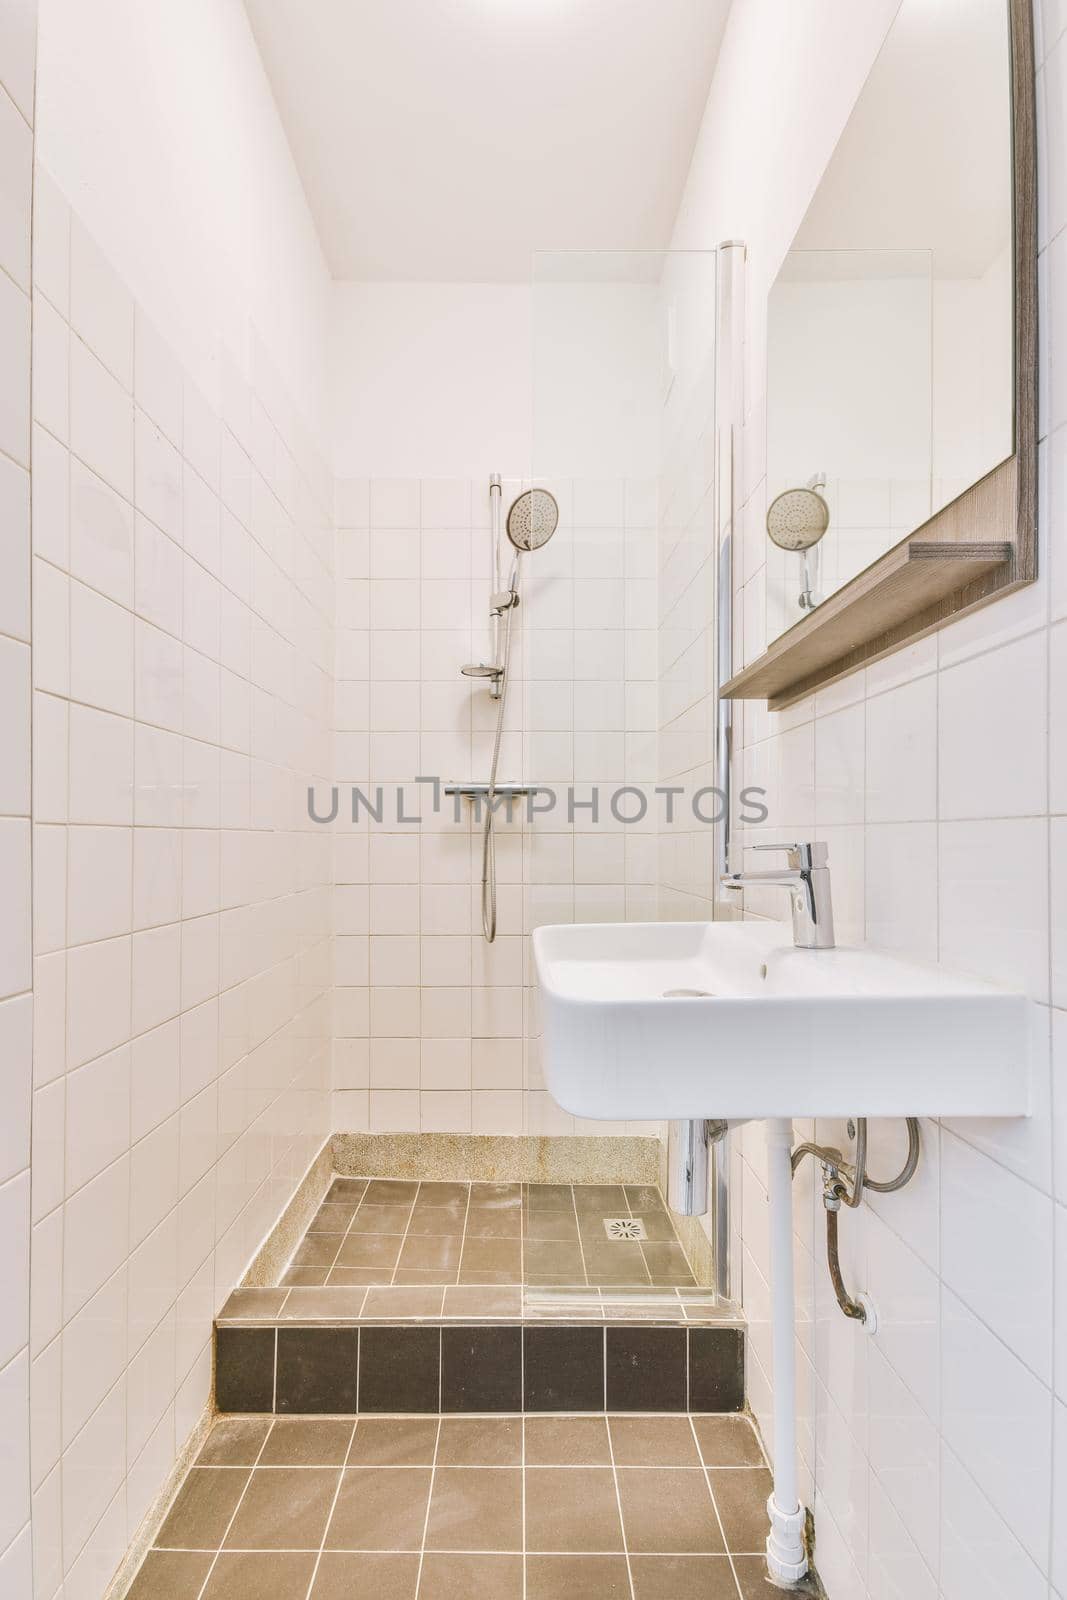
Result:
[{"x": 890, "y": 335}]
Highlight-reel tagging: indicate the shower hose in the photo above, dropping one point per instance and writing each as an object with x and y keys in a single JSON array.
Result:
[{"x": 488, "y": 838}]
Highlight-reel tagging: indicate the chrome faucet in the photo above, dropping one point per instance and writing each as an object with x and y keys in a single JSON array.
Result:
[{"x": 808, "y": 879}]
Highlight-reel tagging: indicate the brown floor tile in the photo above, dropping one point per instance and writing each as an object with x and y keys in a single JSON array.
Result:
[
  {"x": 446, "y": 1577},
  {"x": 317, "y": 1250},
  {"x": 346, "y": 1189},
  {"x": 403, "y": 1302},
  {"x": 554, "y": 1280},
  {"x": 618, "y": 1262},
  {"x": 475, "y": 1508},
  {"x": 505, "y": 1223},
  {"x": 390, "y": 1192},
  {"x": 234, "y": 1442},
  {"x": 199, "y": 1516},
  {"x": 491, "y": 1255},
  {"x": 577, "y": 1578},
  {"x": 313, "y": 1305},
  {"x": 728, "y": 1442},
  {"x": 381, "y": 1219},
  {"x": 572, "y": 1509},
  {"x": 567, "y": 1442},
  {"x": 442, "y": 1194},
  {"x": 394, "y": 1442},
  {"x": 741, "y": 1496},
  {"x": 487, "y": 1276},
  {"x": 683, "y": 1578},
  {"x": 414, "y": 1278},
  {"x": 551, "y": 1225},
  {"x": 431, "y": 1253},
  {"x": 307, "y": 1442},
  {"x": 496, "y": 1196},
  {"x": 466, "y": 1300},
  {"x": 554, "y": 1258},
  {"x": 643, "y": 1198},
  {"x": 261, "y": 1576},
  {"x": 370, "y": 1250},
  {"x": 609, "y": 1199},
  {"x": 380, "y": 1508},
  {"x": 653, "y": 1442},
  {"x": 667, "y": 1263},
  {"x": 353, "y": 1277},
  {"x": 754, "y": 1583},
  {"x": 304, "y": 1277},
  {"x": 480, "y": 1442},
  {"x": 668, "y": 1511},
  {"x": 332, "y": 1219},
  {"x": 284, "y": 1508},
  {"x": 171, "y": 1575},
  {"x": 252, "y": 1305},
  {"x": 351, "y": 1577},
  {"x": 658, "y": 1226},
  {"x": 549, "y": 1197},
  {"x": 438, "y": 1221}
]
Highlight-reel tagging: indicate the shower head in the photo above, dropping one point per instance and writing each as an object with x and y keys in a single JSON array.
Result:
[
  {"x": 797, "y": 519},
  {"x": 532, "y": 519}
]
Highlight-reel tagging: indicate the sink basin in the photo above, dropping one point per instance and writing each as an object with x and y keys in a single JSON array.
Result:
[{"x": 657, "y": 1020}]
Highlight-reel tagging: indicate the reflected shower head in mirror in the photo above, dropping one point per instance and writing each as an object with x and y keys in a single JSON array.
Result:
[
  {"x": 532, "y": 519},
  {"x": 797, "y": 519}
]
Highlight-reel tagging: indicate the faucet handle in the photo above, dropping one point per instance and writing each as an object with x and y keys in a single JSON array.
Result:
[{"x": 803, "y": 856}]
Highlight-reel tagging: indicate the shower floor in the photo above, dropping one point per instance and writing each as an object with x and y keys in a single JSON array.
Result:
[
  {"x": 467, "y": 1508},
  {"x": 376, "y": 1232}
]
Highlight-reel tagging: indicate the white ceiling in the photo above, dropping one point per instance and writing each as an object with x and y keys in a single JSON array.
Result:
[{"x": 452, "y": 139}]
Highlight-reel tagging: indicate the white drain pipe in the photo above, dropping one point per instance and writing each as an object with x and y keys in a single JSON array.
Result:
[{"x": 787, "y": 1560}]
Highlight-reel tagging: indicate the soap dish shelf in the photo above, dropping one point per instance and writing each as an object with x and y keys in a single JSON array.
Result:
[{"x": 479, "y": 791}]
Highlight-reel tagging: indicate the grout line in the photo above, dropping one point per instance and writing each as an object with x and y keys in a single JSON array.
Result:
[
  {"x": 404, "y": 1236},
  {"x": 236, "y": 1509},
  {"x": 618, "y": 1499},
  {"x": 429, "y": 1501},
  {"x": 522, "y": 1461},
  {"x": 462, "y": 1239},
  {"x": 344, "y": 1235},
  {"x": 524, "y": 1196},
  {"x": 468, "y": 1466},
  {"x": 309, "y": 1550},
  {"x": 715, "y": 1503},
  {"x": 329, "y": 1518},
  {"x": 581, "y": 1246}
]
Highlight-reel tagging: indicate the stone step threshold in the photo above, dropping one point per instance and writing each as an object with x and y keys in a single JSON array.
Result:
[
  {"x": 310, "y": 1367},
  {"x": 474, "y": 1303}
]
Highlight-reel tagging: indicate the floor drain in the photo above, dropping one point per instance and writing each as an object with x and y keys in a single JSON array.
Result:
[{"x": 624, "y": 1228}]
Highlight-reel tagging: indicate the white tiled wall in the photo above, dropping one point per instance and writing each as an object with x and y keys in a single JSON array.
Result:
[
  {"x": 183, "y": 696},
  {"x": 18, "y": 29},
  {"x": 435, "y": 1030},
  {"x": 686, "y": 590},
  {"x": 935, "y": 1451}
]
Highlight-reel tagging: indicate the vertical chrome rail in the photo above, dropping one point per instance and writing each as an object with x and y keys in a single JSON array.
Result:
[{"x": 729, "y": 412}]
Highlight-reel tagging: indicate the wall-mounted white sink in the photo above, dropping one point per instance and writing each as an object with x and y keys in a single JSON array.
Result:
[{"x": 728, "y": 1019}]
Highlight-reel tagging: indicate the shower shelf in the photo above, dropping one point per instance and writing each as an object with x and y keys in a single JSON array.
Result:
[
  {"x": 901, "y": 595},
  {"x": 477, "y": 791}
]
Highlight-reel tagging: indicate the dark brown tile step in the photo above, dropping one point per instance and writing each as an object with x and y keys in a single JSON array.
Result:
[{"x": 509, "y": 1366}]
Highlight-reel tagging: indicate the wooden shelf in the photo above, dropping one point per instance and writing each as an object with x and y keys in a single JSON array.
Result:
[{"x": 915, "y": 577}]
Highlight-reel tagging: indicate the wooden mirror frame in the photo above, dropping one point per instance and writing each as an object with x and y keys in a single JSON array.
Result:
[{"x": 981, "y": 545}]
